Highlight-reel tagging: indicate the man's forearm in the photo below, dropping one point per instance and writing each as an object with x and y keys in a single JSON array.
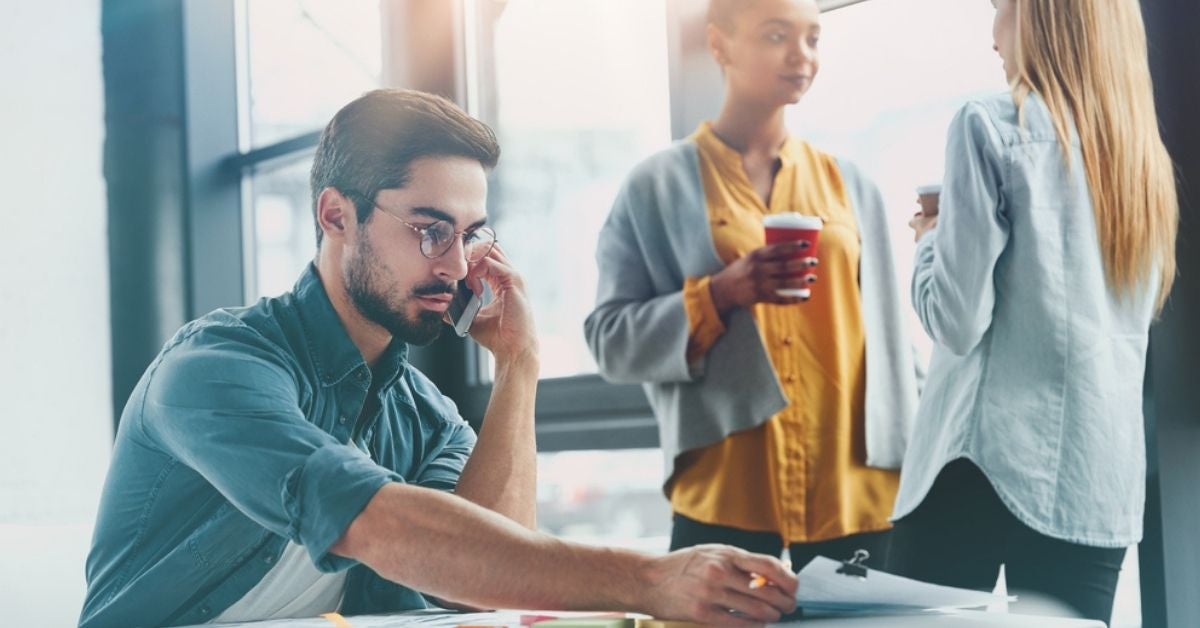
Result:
[
  {"x": 446, "y": 547},
  {"x": 501, "y": 474},
  {"x": 452, "y": 549}
]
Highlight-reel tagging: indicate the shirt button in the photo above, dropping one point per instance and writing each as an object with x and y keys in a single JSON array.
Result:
[
  {"x": 787, "y": 341},
  {"x": 204, "y": 610},
  {"x": 342, "y": 420},
  {"x": 791, "y": 379},
  {"x": 268, "y": 559}
]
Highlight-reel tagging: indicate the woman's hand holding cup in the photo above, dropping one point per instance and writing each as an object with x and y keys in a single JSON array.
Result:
[
  {"x": 928, "y": 197},
  {"x": 781, "y": 273},
  {"x": 759, "y": 276}
]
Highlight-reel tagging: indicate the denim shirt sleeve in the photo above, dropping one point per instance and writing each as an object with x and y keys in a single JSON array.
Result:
[
  {"x": 443, "y": 470},
  {"x": 953, "y": 289},
  {"x": 225, "y": 404},
  {"x": 441, "y": 464}
]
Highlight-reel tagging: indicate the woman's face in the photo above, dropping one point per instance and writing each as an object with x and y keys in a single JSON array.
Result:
[
  {"x": 770, "y": 57},
  {"x": 1004, "y": 35}
]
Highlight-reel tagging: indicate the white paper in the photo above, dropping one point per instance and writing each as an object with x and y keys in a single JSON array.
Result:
[
  {"x": 822, "y": 588},
  {"x": 429, "y": 618}
]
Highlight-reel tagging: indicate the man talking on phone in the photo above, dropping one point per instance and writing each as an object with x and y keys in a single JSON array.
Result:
[{"x": 285, "y": 460}]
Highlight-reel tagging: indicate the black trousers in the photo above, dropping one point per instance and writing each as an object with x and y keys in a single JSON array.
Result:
[
  {"x": 962, "y": 533},
  {"x": 688, "y": 532}
]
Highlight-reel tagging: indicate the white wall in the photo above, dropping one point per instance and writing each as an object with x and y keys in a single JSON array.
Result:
[{"x": 55, "y": 374}]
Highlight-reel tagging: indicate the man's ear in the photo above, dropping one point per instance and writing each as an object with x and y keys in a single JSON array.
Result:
[{"x": 335, "y": 213}]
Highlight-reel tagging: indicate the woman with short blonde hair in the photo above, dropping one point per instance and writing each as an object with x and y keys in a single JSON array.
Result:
[{"x": 1038, "y": 280}]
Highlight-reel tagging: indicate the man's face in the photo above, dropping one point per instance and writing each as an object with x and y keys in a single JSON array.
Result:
[{"x": 389, "y": 280}]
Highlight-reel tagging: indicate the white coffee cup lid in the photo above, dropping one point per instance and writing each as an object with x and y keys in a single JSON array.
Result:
[
  {"x": 929, "y": 188},
  {"x": 792, "y": 220}
]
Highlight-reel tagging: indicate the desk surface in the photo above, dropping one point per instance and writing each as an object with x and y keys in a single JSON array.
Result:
[{"x": 964, "y": 619}]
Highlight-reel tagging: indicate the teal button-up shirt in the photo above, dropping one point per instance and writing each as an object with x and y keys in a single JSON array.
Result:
[{"x": 244, "y": 433}]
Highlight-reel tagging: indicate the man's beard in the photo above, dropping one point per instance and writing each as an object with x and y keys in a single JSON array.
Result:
[{"x": 363, "y": 277}]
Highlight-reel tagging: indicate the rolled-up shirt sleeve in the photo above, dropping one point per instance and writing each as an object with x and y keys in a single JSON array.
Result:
[
  {"x": 442, "y": 470},
  {"x": 228, "y": 407},
  {"x": 705, "y": 326}
]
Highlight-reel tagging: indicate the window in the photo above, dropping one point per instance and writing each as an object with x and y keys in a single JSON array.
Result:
[
  {"x": 304, "y": 60},
  {"x": 333, "y": 48},
  {"x": 284, "y": 236},
  {"x": 604, "y": 497},
  {"x": 577, "y": 92}
]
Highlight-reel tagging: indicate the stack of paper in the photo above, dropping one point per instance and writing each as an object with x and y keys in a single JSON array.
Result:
[{"x": 823, "y": 589}]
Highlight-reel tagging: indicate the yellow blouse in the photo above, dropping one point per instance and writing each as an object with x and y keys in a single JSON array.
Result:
[{"x": 802, "y": 473}]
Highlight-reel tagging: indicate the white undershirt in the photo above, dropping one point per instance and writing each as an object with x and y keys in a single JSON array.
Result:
[{"x": 294, "y": 588}]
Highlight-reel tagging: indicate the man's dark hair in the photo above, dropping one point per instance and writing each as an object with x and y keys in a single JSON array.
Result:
[{"x": 370, "y": 143}]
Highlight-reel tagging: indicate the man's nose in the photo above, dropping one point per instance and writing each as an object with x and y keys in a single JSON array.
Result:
[{"x": 452, "y": 265}]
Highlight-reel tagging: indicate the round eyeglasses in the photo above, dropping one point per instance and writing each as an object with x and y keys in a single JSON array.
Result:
[{"x": 439, "y": 236}]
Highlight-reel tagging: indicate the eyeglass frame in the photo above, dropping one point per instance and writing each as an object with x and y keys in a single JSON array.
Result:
[{"x": 421, "y": 231}]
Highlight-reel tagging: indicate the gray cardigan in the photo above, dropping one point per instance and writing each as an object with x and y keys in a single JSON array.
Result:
[{"x": 656, "y": 236}]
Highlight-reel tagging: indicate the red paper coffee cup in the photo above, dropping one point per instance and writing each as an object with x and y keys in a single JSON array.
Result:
[{"x": 793, "y": 227}]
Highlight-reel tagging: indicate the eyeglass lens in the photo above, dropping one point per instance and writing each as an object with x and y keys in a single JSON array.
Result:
[{"x": 439, "y": 237}]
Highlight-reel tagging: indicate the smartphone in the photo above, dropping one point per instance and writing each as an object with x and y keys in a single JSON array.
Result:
[{"x": 463, "y": 309}]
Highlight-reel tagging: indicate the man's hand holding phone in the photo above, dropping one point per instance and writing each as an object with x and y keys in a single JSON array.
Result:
[{"x": 505, "y": 325}]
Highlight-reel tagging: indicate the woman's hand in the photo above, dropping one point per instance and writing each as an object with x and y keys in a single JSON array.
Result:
[
  {"x": 755, "y": 277},
  {"x": 921, "y": 224}
]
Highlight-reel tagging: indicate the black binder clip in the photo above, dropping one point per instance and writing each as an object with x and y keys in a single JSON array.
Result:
[{"x": 856, "y": 566}]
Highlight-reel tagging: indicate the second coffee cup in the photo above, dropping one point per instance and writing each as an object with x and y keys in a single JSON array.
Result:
[
  {"x": 928, "y": 197},
  {"x": 794, "y": 227}
]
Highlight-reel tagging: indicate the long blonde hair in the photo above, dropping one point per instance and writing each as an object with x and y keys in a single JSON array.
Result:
[{"x": 1088, "y": 61}]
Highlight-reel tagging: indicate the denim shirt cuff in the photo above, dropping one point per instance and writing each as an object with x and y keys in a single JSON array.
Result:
[{"x": 325, "y": 494}]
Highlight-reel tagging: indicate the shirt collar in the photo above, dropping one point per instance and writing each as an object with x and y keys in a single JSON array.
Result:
[
  {"x": 334, "y": 355},
  {"x": 728, "y": 157}
]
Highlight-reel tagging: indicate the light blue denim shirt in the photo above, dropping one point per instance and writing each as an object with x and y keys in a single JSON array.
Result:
[
  {"x": 242, "y": 435},
  {"x": 1037, "y": 367}
]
